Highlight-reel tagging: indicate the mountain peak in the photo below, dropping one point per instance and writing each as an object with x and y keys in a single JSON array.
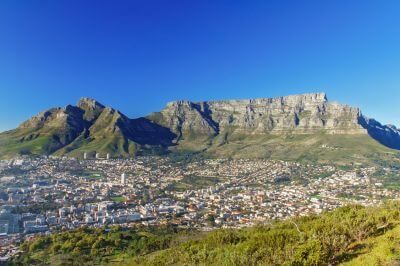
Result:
[
  {"x": 91, "y": 107},
  {"x": 85, "y": 103},
  {"x": 219, "y": 126}
]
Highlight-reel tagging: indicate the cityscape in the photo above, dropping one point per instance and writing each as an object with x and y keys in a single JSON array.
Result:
[
  {"x": 199, "y": 133},
  {"x": 45, "y": 195}
]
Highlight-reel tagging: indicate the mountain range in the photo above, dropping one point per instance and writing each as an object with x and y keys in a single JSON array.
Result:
[{"x": 305, "y": 126}]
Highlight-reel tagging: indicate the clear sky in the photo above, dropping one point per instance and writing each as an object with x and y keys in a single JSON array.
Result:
[{"x": 138, "y": 55}]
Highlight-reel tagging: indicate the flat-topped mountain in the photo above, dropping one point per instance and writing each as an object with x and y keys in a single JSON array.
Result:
[
  {"x": 305, "y": 126},
  {"x": 297, "y": 114}
]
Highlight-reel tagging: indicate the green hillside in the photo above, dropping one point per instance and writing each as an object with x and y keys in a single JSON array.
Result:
[
  {"x": 104, "y": 136},
  {"x": 27, "y": 142},
  {"x": 352, "y": 235},
  {"x": 319, "y": 147},
  {"x": 188, "y": 128},
  {"x": 88, "y": 128}
]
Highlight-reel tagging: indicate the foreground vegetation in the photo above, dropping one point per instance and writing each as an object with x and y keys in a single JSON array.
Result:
[
  {"x": 352, "y": 235},
  {"x": 88, "y": 246}
]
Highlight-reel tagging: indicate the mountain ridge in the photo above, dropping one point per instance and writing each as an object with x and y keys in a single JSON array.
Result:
[
  {"x": 221, "y": 127},
  {"x": 258, "y": 114}
]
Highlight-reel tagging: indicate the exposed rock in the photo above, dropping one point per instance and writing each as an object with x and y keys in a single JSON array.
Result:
[
  {"x": 89, "y": 127},
  {"x": 298, "y": 114},
  {"x": 92, "y": 127},
  {"x": 92, "y": 108}
]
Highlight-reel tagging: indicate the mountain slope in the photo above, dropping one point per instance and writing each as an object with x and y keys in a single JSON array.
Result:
[
  {"x": 296, "y": 114},
  {"x": 296, "y": 127},
  {"x": 44, "y": 133},
  {"x": 88, "y": 127}
]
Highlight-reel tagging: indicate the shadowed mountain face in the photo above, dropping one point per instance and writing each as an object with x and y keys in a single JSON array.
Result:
[
  {"x": 387, "y": 135},
  {"x": 88, "y": 127},
  {"x": 297, "y": 126},
  {"x": 295, "y": 114}
]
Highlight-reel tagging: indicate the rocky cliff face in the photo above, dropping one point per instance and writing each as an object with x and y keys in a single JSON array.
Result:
[
  {"x": 295, "y": 114},
  {"x": 206, "y": 125},
  {"x": 298, "y": 114}
]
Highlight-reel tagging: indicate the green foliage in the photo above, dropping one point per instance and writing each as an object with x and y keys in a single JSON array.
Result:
[
  {"x": 350, "y": 235},
  {"x": 314, "y": 147},
  {"x": 315, "y": 240},
  {"x": 118, "y": 199},
  {"x": 97, "y": 245}
]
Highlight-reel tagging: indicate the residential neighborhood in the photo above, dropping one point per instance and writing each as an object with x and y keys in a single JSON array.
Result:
[{"x": 44, "y": 195}]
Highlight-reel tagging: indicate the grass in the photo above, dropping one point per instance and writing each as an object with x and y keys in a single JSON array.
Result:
[
  {"x": 118, "y": 199},
  {"x": 380, "y": 250},
  {"x": 29, "y": 142},
  {"x": 115, "y": 145},
  {"x": 89, "y": 174},
  {"x": 319, "y": 147},
  {"x": 390, "y": 181},
  {"x": 12, "y": 146},
  {"x": 95, "y": 176}
]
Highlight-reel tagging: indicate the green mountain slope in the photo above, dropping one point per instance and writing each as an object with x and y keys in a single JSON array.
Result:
[
  {"x": 295, "y": 127},
  {"x": 45, "y": 133},
  {"x": 298, "y": 127},
  {"x": 89, "y": 128},
  {"x": 321, "y": 147},
  {"x": 105, "y": 135}
]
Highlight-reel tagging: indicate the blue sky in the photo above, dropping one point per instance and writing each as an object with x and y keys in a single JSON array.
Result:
[{"x": 138, "y": 55}]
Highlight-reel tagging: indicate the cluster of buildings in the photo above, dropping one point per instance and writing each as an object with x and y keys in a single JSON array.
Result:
[{"x": 43, "y": 195}]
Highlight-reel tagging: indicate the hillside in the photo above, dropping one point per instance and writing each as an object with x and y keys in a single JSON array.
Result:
[
  {"x": 351, "y": 235},
  {"x": 290, "y": 127},
  {"x": 88, "y": 127},
  {"x": 296, "y": 127}
]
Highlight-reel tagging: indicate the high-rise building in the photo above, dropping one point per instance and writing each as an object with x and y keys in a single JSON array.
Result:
[
  {"x": 3, "y": 227},
  {"x": 9, "y": 222},
  {"x": 108, "y": 156},
  {"x": 85, "y": 155},
  {"x": 97, "y": 155},
  {"x": 123, "y": 178}
]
